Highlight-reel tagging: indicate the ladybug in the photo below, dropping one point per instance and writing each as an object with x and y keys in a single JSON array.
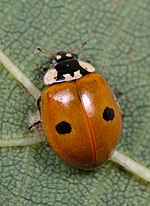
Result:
[{"x": 80, "y": 115}]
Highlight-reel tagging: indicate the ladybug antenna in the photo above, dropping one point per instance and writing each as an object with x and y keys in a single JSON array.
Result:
[
  {"x": 78, "y": 48},
  {"x": 46, "y": 52}
]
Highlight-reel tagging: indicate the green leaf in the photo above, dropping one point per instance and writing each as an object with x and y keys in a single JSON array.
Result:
[{"x": 118, "y": 36}]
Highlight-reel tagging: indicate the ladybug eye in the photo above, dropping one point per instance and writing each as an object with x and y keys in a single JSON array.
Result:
[
  {"x": 63, "y": 127},
  {"x": 108, "y": 114}
]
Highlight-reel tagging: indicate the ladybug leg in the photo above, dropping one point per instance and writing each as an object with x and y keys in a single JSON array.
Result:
[
  {"x": 88, "y": 61},
  {"x": 44, "y": 67},
  {"x": 118, "y": 93},
  {"x": 35, "y": 120},
  {"x": 38, "y": 123},
  {"x": 38, "y": 103},
  {"x": 47, "y": 144}
]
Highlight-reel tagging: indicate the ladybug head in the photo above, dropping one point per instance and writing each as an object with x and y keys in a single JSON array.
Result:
[
  {"x": 65, "y": 66},
  {"x": 63, "y": 56}
]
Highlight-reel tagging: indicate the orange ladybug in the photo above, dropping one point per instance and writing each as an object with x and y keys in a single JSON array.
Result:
[{"x": 80, "y": 115}]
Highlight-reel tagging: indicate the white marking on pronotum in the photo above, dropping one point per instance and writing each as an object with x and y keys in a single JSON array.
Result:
[
  {"x": 68, "y": 55},
  {"x": 68, "y": 77},
  {"x": 50, "y": 76},
  {"x": 87, "y": 66},
  {"x": 58, "y": 57}
]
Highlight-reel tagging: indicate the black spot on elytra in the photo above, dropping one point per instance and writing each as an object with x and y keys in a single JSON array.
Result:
[
  {"x": 108, "y": 114},
  {"x": 63, "y": 127}
]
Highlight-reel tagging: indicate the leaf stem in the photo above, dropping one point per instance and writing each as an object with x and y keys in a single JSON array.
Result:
[
  {"x": 22, "y": 142},
  {"x": 19, "y": 75},
  {"x": 131, "y": 165}
]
